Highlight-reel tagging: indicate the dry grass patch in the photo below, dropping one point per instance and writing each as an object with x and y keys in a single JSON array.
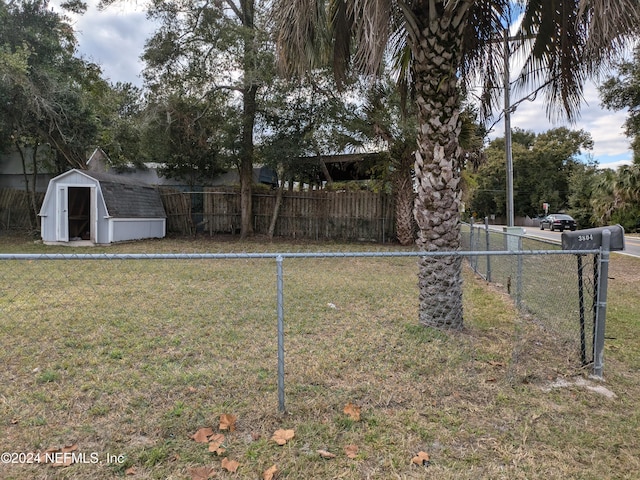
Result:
[{"x": 131, "y": 358}]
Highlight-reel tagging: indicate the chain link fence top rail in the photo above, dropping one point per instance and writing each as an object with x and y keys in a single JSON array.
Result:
[{"x": 557, "y": 291}]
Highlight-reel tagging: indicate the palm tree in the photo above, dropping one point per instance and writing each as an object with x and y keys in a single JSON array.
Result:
[
  {"x": 616, "y": 193},
  {"x": 452, "y": 43},
  {"x": 385, "y": 120}
]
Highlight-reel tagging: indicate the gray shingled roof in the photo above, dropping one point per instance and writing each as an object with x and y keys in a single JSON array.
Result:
[{"x": 126, "y": 198}]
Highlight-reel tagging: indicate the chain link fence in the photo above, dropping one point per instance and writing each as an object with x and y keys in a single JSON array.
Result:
[
  {"x": 121, "y": 352},
  {"x": 59, "y": 296},
  {"x": 556, "y": 292}
]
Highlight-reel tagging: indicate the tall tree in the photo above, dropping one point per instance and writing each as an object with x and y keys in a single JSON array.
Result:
[
  {"x": 384, "y": 121},
  {"x": 48, "y": 102},
  {"x": 616, "y": 197},
  {"x": 201, "y": 47},
  {"x": 43, "y": 88},
  {"x": 123, "y": 118},
  {"x": 189, "y": 135},
  {"x": 582, "y": 188},
  {"x": 562, "y": 43},
  {"x": 622, "y": 91},
  {"x": 303, "y": 121},
  {"x": 543, "y": 166}
]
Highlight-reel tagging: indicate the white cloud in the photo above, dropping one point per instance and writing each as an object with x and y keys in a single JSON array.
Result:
[
  {"x": 606, "y": 127},
  {"x": 114, "y": 38}
]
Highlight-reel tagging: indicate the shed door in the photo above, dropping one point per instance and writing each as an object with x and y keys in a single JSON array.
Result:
[
  {"x": 62, "y": 214},
  {"x": 79, "y": 212}
]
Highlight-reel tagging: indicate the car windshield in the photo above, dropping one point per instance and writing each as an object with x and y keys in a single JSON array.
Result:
[{"x": 563, "y": 217}]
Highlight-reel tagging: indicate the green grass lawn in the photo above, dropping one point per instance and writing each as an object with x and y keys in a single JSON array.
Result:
[{"x": 126, "y": 360}]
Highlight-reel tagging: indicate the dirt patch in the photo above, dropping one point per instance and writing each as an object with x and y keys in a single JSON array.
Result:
[{"x": 580, "y": 383}]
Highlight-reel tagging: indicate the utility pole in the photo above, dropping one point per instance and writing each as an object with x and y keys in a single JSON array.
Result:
[{"x": 507, "y": 130}]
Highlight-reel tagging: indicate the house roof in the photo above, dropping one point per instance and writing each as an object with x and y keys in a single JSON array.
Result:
[{"x": 126, "y": 198}]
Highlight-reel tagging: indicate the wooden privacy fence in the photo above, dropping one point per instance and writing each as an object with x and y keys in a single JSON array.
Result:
[
  {"x": 15, "y": 209},
  {"x": 318, "y": 215}
]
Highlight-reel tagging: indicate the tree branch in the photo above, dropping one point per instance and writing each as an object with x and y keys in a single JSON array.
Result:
[{"x": 235, "y": 9}]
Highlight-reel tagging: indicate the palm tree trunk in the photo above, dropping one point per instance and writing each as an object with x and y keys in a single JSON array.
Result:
[
  {"x": 405, "y": 223},
  {"x": 437, "y": 169}
]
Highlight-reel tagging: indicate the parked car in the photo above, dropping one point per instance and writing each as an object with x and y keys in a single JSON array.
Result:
[{"x": 558, "y": 221}]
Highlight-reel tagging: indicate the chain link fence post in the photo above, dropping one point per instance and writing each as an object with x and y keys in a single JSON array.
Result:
[
  {"x": 488, "y": 247},
  {"x": 583, "y": 344},
  {"x": 519, "y": 273},
  {"x": 280, "y": 307},
  {"x": 474, "y": 262},
  {"x": 601, "y": 305}
]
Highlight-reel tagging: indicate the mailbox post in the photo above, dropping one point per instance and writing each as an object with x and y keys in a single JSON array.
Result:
[{"x": 606, "y": 239}]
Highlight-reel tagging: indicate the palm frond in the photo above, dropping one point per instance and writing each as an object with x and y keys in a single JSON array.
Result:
[
  {"x": 372, "y": 30},
  {"x": 483, "y": 52},
  {"x": 608, "y": 25},
  {"x": 302, "y": 36},
  {"x": 341, "y": 27},
  {"x": 556, "y": 55},
  {"x": 574, "y": 41}
]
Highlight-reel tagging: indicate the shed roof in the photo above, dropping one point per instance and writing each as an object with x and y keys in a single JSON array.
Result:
[{"x": 125, "y": 198}]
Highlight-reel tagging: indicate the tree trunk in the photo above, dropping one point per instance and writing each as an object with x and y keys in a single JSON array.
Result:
[
  {"x": 276, "y": 208},
  {"x": 404, "y": 197},
  {"x": 249, "y": 108},
  {"x": 30, "y": 208},
  {"x": 437, "y": 168},
  {"x": 246, "y": 162}
]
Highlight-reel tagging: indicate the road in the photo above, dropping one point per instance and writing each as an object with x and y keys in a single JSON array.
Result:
[{"x": 632, "y": 243}]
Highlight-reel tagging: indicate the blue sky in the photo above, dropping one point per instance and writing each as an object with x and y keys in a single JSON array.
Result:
[{"x": 114, "y": 38}]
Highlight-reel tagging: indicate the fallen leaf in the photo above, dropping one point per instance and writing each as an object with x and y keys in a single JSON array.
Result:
[
  {"x": 230, "y": 465},
  {"x": 228, "y": 422},
  {"x": 62, "y": 460},
  {"x": 270, "y": 473},
  {"x": 218, "y": 450},
  {"x": 351, "y": 451},
  {"x": 353, "y": 411},
  {"x": 282, "y": 436},
  {"x": 130, "y": 471},
  {"x": 202, "y": 435},
  {"x": 201, "y": 473},
  {"x": 421, "y": 458},
  {"x": 215, "y": 442},
  {"x": 325, "y": 454}
]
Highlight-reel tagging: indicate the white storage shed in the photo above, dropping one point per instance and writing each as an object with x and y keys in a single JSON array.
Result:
[{"x": 100, "y": 207}]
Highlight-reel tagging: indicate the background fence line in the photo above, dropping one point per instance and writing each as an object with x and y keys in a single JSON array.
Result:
[
  {"x": 16, "y": 210},
  {"x": 316, "y": 214}
]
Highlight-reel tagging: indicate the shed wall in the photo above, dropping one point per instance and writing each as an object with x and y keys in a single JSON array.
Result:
[
  {"x": 50, "y": 205},
  {"x": 122, "y": 229}
]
